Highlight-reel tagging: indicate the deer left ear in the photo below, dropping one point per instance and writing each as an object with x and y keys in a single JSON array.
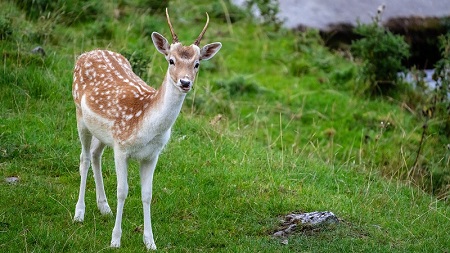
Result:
[
  {"x": 208, "y": 51},
  {"x": 161, "y": 43}
]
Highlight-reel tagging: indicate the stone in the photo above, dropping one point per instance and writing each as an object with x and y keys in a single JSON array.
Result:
[
  {"x": 12, "y": 180},
  {"x": 293, "y": 221},
  {"x": 38, "y": 50}
]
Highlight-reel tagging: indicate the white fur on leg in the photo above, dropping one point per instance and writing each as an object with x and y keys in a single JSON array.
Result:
[
  {"x": 79, "y": 213},
  {"x": 104, "y": 208},
  {"x": 147, "y": 169},
  {"x": 149, "y": 243},
  {"x": 80, "y": 207},
  {"x": 121, "y": 161},
  {"x": 116, "y": 235}
]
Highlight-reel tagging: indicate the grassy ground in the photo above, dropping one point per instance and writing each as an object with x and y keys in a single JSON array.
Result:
[{"x": 292, "y": 137}]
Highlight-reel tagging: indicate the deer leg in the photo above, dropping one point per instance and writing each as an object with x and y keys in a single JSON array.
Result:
[
  {"x": 146, "y": 171},
  {"x": 121, "y": 161},
  {"x": 85, "y": 157},
  {"x": 97, "y": 148}
]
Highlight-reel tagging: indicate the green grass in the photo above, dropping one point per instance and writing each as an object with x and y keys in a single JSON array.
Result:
[{"x": 293, "y": 137}]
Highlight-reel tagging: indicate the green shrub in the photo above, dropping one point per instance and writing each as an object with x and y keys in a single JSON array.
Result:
[
  {"x": 381, "y": 53},
  {"x": 139, "y": 61},
  {"x": 6, "y": 29}
]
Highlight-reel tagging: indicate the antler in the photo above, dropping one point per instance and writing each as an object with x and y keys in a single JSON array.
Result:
[
  {"x": 197, "y": 41},
  {"x": 174, "y": 36}
]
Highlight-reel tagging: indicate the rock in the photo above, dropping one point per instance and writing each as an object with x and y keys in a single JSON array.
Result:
[
  {"x": 293, "y": 221},
  {"x": 313, "y": 218},
  {"x": 12, "y": 180},
  {"x": 38, "y": 50}
]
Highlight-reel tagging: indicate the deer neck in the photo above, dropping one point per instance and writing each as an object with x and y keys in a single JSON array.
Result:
[{"x": 168, "y": 105}]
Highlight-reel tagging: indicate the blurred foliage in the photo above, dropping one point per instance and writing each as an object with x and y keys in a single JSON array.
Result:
[
  {"x": 153, "y": 6},
  {"x": 268, "y": 11},
  {"x": 225, "y": 11},
  {"x": 70, "y": 12},
  {"x": 139, "y": 61},
  {"x": 6, "y": 28},
  {"x": 441, "y": 99}
]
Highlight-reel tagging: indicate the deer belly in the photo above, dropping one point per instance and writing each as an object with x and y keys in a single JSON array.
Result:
[{"x": 99, "y": 126}]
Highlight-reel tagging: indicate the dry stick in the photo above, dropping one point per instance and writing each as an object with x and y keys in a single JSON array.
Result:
[
  {"x": 428, "y": 115},
  {"x": 419, "y": 150}
]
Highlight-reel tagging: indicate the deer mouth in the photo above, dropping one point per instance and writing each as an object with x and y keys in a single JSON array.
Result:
[{"x": 185, "y": 89}]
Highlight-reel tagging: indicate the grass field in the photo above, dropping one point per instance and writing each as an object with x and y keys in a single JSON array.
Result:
[{"x": 292, "y": 137}]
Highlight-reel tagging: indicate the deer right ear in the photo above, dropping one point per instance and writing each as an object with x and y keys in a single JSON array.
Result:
[
  {"x": 161, "y": 43},
  {"x": 208, "y": 51}
]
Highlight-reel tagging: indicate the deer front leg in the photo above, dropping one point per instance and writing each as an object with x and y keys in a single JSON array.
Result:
[
  {"x": 146, "y": 171},
  {"x": 121, "y": 161}
]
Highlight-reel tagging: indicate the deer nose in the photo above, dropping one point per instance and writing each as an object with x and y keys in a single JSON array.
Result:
[{"x": 185, "y": 83}]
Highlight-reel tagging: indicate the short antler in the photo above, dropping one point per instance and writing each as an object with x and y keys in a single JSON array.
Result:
[
  {"x": 197, "y": 41},
  {"x": 174, "y": 36}
]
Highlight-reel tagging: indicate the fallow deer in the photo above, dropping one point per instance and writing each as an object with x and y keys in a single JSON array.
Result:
[{"x": 116, "y": 108}]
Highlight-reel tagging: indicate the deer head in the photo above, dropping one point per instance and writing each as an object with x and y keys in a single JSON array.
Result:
[{"x": 184, "y": 61}]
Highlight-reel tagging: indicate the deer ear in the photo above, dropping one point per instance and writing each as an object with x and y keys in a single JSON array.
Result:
[
  {"x": 208, "y": 51},
  {"x": 161, "y": 43}
]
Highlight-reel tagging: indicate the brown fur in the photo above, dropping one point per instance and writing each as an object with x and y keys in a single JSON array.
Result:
[{"x": 123, "y": 102}]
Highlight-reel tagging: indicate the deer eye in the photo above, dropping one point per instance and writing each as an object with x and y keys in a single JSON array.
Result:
[
  {"x": 171, "y": 62},
  {"x": 197, "y": 65}
]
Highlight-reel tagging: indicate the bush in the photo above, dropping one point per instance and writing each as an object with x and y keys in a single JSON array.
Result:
[
  {"x": 139, "y": 61},
  {"x": 381, "y": 53},
  {"x": 5, "y": 28}
]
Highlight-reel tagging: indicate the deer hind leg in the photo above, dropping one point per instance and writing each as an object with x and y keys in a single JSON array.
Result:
[
  {"x": 97, "y": 148},
  {"x": 121, "y": 161},
  {"x": 146, "y": 171},
  {"x": 85, "y": 158}
]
